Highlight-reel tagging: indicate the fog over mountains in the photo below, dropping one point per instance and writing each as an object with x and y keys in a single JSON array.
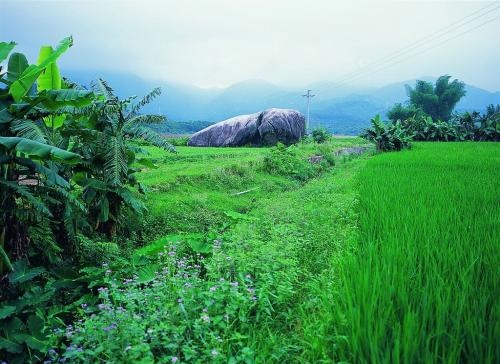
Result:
[{"x": 342, "y": 110}]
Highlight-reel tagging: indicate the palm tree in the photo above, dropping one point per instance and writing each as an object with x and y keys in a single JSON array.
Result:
[{"x": 106, "y": 145}]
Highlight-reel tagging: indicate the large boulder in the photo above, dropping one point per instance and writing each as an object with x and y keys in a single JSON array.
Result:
[{"x": 260, "y": 129}]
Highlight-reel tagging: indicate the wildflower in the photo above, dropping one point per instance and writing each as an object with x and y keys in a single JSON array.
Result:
[
  {"x": 104, "y": 265},
  {"x": 84, "y": 305},
  {"x": 214, "y": 352},
  {"x": 251, "y": 290},
  {"x": 102, "y": 289},
  {"x": 128, "y": 348},
  {"x": 234, "y": 284},
  {"x": 205, "y": 318},
  {"x": 108, "y": 272},
  {"x": 179, "y": 300},
  {"x": 174, "y": 359},
  {"x": 205, "y": 309},
  {"x": 110, "y": 327},
  {"x": 213, "y": 289}
]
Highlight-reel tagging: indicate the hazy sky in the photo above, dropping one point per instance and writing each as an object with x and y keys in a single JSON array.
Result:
[{"x": 288, "y": 42}]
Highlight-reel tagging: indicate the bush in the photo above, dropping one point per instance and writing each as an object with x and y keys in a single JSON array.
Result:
[
  {"x": 320, "y": 135},
  {"x": 285, "y": 161},
  {"x": 387, "y": 136},
  {"x": 178, "y": 141}
]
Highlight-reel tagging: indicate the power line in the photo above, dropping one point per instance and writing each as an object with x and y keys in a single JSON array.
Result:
[
  {"x": 417, "y": 53},
  {"x": 423, "y": 41}
]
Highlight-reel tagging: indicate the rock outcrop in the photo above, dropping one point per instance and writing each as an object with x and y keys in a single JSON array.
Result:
[{"x": 260, "y": 129}]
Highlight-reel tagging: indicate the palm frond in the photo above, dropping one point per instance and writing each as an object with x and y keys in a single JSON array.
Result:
[
  {"x": 26, "y": 128},
  {"x": 149, "y": 135},
  {"x": 130, "y": 200},
  {"x": 103, "y": 87},
  {"x": 147, "y": 119},
  {"x": 25, "y": 193},
  {"x": 145, "y": 100},
  {"x": 115, "y": 165}
]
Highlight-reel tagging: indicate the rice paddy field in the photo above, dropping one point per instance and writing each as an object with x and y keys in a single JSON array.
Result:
[{"x": 423, "y": 283}]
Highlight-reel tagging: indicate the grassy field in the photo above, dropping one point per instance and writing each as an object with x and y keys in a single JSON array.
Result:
[
  {"x": 192, "y": 190},
  {"x": 391, "y": 258},
  {"x": 423, "y": 284}
]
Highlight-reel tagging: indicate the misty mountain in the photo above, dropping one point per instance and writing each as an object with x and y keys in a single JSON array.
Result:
[{"x": 342, "y": 109}]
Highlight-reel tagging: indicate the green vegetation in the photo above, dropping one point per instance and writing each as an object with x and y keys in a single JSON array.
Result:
[
  {"x": 117, "y": 248},
  {"x": 387, "y": 136},
  {"x": 423, "y": 283},
  {"x": 67, "y": 177},
  {"x": 436, "y": 101},
  {"x": 246, "y": 298},
  {"x": 428, "y": 117}
]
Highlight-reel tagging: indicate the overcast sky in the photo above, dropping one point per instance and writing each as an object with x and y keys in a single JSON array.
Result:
[{"x": 287, "y": 42}]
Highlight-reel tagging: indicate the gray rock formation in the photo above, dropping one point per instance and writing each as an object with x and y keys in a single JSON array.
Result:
[{"x": 260, "y": 129}]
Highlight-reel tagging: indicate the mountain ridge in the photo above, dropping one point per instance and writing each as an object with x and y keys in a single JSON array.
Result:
[{"x": 344, "y": 110}]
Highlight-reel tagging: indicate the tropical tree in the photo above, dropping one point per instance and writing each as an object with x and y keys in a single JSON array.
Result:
[
  {"x": 439, "y": 100},
  {"x": 105, "y": 135},
  {"x": 28, "y": 176}
]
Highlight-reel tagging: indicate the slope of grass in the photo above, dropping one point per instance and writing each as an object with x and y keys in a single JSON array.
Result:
[
  {"x": 192, "y": 190},
  {"x": 423, "y": 284}
]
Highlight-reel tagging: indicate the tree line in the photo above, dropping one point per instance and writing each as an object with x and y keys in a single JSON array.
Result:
[{"x": 428, "y": 116}]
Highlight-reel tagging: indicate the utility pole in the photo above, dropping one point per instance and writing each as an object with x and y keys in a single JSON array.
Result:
[{"x": 309, "y": 96}]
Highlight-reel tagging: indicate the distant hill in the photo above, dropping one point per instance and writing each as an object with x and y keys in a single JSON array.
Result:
[{"x": 343, "y": 110}]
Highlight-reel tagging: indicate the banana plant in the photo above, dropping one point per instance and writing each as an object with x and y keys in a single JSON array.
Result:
[
  {"x": 27, "y": 158},
  {"x": 105, "y": 136}
]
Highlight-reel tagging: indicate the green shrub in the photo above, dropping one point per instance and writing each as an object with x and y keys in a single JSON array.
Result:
[
  {"x": 285, "y": 161},
  {"x": 178, "y": 141},
  {"x": 94, "y": 252},
  {"x": 387, "y": 136},
  {"x": 320, "y": 135}
]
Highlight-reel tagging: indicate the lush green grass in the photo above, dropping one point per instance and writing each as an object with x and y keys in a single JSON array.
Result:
[
  {"x": 424, "y": 283},
  {"x": 192, "y": 190},
  {"x": 384, "y": 259}
]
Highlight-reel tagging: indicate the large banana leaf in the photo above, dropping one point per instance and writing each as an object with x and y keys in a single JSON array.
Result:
[
  {"x": 50, "y": 79},
  {"x": 17, "y": 64},
  {"x": 38, "y": 150},
  {"x": 56, "y": 99},
  {"x": 23, "y": 84},
  {"x": 5, "y": 49}
]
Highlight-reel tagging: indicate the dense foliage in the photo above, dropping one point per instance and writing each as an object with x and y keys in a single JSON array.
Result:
[
  {"x": 428, "y": 117},
  {"x": 67, "y": 169},
  {"x": 435, "y": 100},
  {"x": 320, "y": 135},
  {"x": 387, "y": 136}
]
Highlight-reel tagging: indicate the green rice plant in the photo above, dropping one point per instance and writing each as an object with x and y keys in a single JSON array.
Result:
[{"x": 423, "y": 284}]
